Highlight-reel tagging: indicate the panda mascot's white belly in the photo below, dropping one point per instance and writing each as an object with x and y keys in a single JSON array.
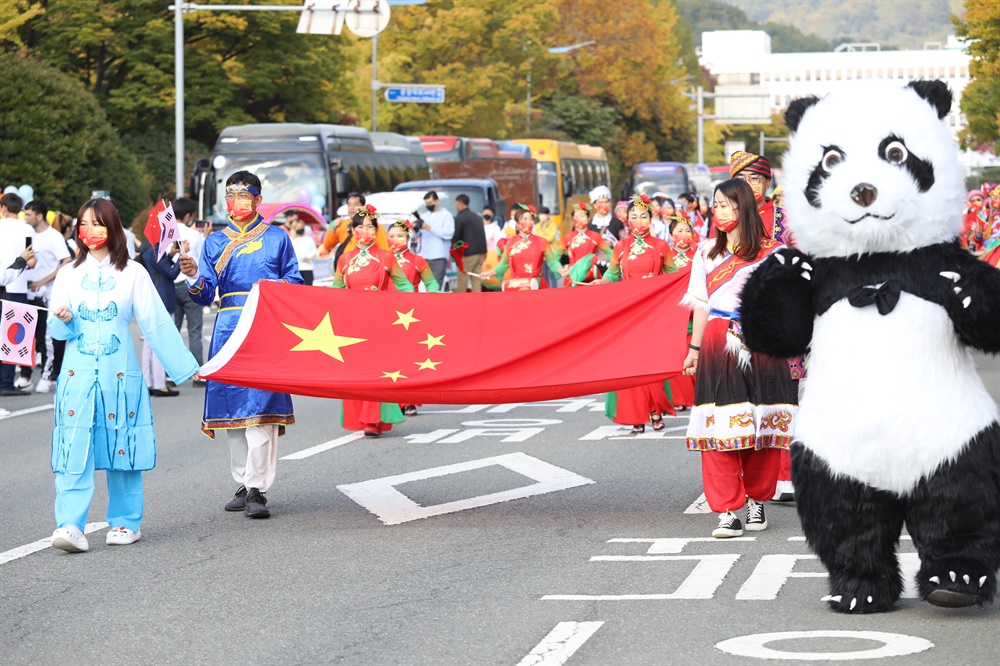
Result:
[{"x": 889, "y": 398}]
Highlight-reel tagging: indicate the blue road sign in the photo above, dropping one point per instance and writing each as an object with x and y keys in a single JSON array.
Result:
[{"x": 419, "y": 95}]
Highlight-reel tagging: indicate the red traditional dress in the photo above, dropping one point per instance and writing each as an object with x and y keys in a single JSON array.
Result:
[
  {"x": 582, "y": 248},
  {"x": 682, "y": 386},
  {"x": 416, "y": 270},
  {"x": 374, "y": 269},
  {"x": 639, "y": 257},
  {"x": 745, "y": 403},
  {"x": 524, "y": 255}
]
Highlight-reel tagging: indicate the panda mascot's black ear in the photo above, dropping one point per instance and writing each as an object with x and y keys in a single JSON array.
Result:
[
  {"x": 797, "y": 109},
  {"x": 936, "y": 93}
]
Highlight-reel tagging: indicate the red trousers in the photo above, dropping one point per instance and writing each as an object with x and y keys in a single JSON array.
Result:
[
  {"x": 730, "y": 477},
  {"x": 785, "y": 468}
]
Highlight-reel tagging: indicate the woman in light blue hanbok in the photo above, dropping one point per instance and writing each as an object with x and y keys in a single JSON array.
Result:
[{"x": 103, "y": 418}]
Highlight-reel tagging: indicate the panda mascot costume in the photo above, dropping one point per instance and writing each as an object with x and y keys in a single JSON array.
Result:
[{"x": 894, "y": 426}]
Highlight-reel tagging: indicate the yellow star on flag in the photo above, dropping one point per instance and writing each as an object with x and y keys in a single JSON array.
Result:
[
  {"x": 433, "y": 341},
  {"x": 405, "y": 319},
  {"x": 427, "y": 365},
  {"x": 322, "y": 338},
  {"x": 394, "y": 376}
]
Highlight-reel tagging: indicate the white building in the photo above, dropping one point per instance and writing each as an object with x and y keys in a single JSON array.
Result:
[{"x": 742, "y": 60}]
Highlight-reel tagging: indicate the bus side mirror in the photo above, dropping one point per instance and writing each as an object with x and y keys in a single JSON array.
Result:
[
  {"x": 341, "y": 183},
  {"x": 200, "y": 167}
]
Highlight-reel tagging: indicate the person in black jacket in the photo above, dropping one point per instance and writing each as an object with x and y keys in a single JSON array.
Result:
[
  {"x": 470, "y": 236},
  {"x": 163, "y": 272}
]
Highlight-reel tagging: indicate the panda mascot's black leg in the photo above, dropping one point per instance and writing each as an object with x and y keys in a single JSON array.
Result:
[
  {"x": 954, "y": 519},
  {"x": 854, "y": 529}
]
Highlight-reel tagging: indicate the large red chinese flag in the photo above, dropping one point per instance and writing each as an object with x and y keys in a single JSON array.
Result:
[{"x": 456, "y": 348}]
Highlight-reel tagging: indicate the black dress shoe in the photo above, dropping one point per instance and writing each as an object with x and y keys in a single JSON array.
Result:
[
  {"x": 163, "y": 393},
  {"x": 256, "y": 504},
  {"x": 239, "y": 501}
]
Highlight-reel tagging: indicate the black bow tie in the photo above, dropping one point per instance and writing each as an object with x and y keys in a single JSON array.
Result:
[{"x": 884, "y": 296}]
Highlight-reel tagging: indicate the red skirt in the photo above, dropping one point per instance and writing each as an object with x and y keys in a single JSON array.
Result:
[
  {"x": 636, "y": 404},
  {"x": 682, "y": 388},
  {"x": 359, "y": 414}
]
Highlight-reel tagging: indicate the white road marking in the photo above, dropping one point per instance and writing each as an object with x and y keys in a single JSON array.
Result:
[
  {"x": 893, "y": 645},
  {"x": 470, "y": 409},
  {"x": 673, "y": 546},
  {"x": 771, "y": 573},
  {"x": 430, "y": 437},
  {"x": 41, "y": 544},
  {"x": 29, "y": 410},
  {"x": 700, "y": 505},
  {"x": 560, "y": 644},
  {"x": 393, "y": 507},
  {"x": 701, "y": 583},
  {"x": 326, "y": 446},
  {"x": 620, "y": 432}
]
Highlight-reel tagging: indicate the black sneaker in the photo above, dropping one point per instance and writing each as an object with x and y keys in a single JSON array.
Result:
[
  {"x": 756, "y": 520},
  {"x": 729, "y": 526},
  {"x": 255, "y": 504},
  {"x": 239, "y": 501}
]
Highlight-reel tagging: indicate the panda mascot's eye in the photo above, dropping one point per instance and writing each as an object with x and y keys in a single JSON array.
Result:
[
  {"x": 895, "y": 153},
  {"x": 831, "y": 158}
]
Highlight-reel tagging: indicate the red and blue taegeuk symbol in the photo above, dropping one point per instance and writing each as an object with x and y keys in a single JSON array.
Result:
[{"x": 15, "y": 333}]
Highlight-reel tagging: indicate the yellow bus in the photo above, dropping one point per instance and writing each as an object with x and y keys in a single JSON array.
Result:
[{"x": 567, "y": 172}]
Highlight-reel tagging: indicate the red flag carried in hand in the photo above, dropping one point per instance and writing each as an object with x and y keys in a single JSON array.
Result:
[
  {"x": 457, "y": 349},
  {"x": 153, "y": 230}
]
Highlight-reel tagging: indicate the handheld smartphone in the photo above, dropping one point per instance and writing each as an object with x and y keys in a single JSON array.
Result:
[{"x": 27, "y": 242}]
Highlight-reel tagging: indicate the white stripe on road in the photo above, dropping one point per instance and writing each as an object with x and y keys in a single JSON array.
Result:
[
  {"x": 471, "y": 409},
  {"x": 560, "y": 644},
  {"x": 700, "y": 505},
  {"x": 29, "y": 410},
  {"x": 326, "y": 446},
  {"x": 41, "y": 544}
]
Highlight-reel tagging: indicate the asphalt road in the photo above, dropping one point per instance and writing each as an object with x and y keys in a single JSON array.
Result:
[{"x": 591, "y": 569}]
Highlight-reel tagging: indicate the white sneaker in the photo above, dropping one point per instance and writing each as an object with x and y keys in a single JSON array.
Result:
[
  {"x": 22, "y": 383},
  {"x": 123, "y": 536},
  {"x": 784, "y": 492},
  {"x": 43, "y": 386},
  {"x": 729, "y": 526},
  {"x": 70, "y": 539},
  {"x": 756, "y": 520}
]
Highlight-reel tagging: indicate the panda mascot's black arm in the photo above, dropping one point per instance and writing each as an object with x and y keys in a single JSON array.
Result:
[
  {"x": 776, "y": 305},
  {"x": 972, "y": 298}
]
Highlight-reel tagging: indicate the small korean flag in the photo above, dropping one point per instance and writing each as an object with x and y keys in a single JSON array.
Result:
[
  {"x": 17, "y": 343},
  {"x": 168, "y": 223}
]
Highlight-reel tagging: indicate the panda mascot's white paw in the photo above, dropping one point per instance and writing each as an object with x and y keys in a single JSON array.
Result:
[{"x": 894, "y": 427}]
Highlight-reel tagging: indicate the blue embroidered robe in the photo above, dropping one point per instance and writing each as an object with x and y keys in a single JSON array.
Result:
[
  {"x": 232, "y": 261},
  {"x": 101, "y": 397}
]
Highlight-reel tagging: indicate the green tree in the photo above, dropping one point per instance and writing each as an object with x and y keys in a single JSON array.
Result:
[
  {"x": 64, "y": 147},
  {"x": 706, "y": 15},
  {"x": 239, "y": 68},
  {"x": 716, "y": 136},
  {"x": 13, "y": 15},
  {"x": 981, "y": 98},
  {"x": 581, "y": 120}
]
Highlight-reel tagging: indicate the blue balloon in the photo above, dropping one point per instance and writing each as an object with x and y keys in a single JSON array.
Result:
[
  {"x": 26, "y": 192},
  {"x": 318, "y": 202}
]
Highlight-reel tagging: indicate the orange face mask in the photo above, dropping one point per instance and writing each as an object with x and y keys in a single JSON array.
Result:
[{"x": 94, "y": 237}]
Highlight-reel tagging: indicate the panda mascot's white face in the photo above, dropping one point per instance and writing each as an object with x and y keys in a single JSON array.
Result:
[{"x": 873, "y": 169}]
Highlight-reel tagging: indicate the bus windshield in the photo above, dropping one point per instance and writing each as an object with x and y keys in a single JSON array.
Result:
[
  {"x": 548, "y": 186},
  {"x": 288, "y": 178},
  {"x": 447, "y": 196},
  {"x": 672, "y": 186},
  {"x": 444, "y": 156}
]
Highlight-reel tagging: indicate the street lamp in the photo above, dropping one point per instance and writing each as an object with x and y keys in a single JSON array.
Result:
[{"x": 555, "y": 50}]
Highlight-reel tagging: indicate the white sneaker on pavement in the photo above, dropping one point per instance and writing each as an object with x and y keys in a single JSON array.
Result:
[
  {"x": 123, "y": 536},
  {"x": 43, "y": 386},
  {"x": 70, "y": 539},
  {"x": 22, "y": 383},
  {"x": 784, "y": 492}
]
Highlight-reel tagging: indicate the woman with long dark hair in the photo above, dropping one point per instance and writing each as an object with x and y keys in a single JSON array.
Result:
[
  {"x": 745, "y": 403},
  {"x": 103, "y": 418}
]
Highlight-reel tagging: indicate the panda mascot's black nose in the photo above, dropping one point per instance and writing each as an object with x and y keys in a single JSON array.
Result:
[{"x": 864, "y": 194}]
